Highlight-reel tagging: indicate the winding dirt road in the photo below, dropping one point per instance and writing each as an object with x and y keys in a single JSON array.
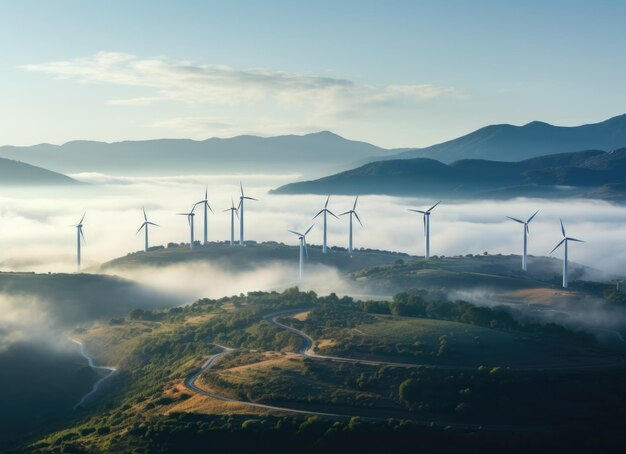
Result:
[{"x": 306, "y": 350}]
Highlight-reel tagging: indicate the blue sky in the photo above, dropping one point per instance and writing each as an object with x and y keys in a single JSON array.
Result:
[{"x": 394, "y": 73}]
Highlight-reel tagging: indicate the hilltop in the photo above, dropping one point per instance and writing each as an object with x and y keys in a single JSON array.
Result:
[
  {"x": 510, "y": 143},
  {"x": 253, "y": 255},
  {"x": 592, "y": 173},
  {"x": 16, "y": 173}
]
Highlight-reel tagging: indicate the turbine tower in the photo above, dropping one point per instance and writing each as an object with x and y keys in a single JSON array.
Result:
[
  {"x": 242, "y": 197},
  {"x": 205, "y": 205},
  {"x": 426, "y": 216},
  {"x": 326, "y": 211},
  {"x": 233, "y": 212},
  {"x": 145, "y": 225},
  {"x": 190, "y": 216},
  {"x": 565, "y": 240},
  {"x": 79, "y": 235},
  {"x": 526, "y": 233},
  {"x": 351, "y": 213},
  {"x": 303, "y": 248}
]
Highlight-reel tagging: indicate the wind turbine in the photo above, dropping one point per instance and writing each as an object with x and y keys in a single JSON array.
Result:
[
  {"x": 79, "y": 235},
  {"x": 190, "y": 216},
  {"x": 233, "y": 212},
  {"x": 205, "y": 204},
  {"x": 242, "y": 197},
  {"x": 352, "y": 212},
  {"x": 145, "y": 226},
  {"x": 303, "y": 248},
  {"x": 565, "y": 240},
  {"x": 427, "y": 226},
  {"x": 526, "y": 233},
  {"x": 326, "y": 211}
]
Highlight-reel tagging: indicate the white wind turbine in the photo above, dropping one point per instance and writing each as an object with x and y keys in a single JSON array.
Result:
[
  {"x": 326, "y": 211},
  {"x": 205, "y": 205},
  {"x": 233, "y": 212},
  {"x": 351, "y": 213},
  {"x": 145, "y": 225},
  {"x": 242, "y": 197},
  {"x": 526, "y": 233},
  {"x": 79, "y": 235},
  {"x": 303, "y": 248},
  {"x": 565, "y": 240},
  {"x": 426, "y": 215},
  {"x": 190, "y": 217}
]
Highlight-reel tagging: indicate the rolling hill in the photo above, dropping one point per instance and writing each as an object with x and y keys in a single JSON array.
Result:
[
  {"x": 16, "y": 173},
  {"x": 321, "y": 151},
  {"x": 514, "y": 143},
  {"x": 591, "y": 173}
]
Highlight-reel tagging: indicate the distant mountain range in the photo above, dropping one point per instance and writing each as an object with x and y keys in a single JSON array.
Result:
[
  {"x": 592, "y": 173},
  {"x": 320, "y": 153},
  {"x": 314, "y": 154},
  {"x": 515, "y": 143},
  {"x": 15, "y": 173}
]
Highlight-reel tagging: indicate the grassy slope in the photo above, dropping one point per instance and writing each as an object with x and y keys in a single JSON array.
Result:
[
  {"x": 253, "y": 255},
  {"x": 466, "y": 345},
  {"x": 155, "y": 356}
]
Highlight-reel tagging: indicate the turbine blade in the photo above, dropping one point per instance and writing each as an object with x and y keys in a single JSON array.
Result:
[
  {"x": 557, "y": 246},
  {"x": 318, "y": 214},
  {"x": 531, "y": 218},
  {"x": 327, "y": 199},
  {"x": 527, "y": 229},
  {"x": 251, "y": 198},
  {"x": 241, "y": 186},
  {"x": 142, "y": 226},
  {"x": 417, "y": 211},
  {"x": 152, "y": 223},
  {"x": 306, "y": 249},
  {"x": 574, "y": 239},
  {"x": 357, "y": 218},
  {"x": 308, "y": 230},
  {"x": 331, "y": 213},
  {"x": 295, "y": 233},
  {"x": 355, "y": 201},
  {"x": 80, "y": 229},
  {"x": 145, "y": 218},
  {"x": 562, "y": 228},
  {"x": 433, "y": 207},
  {"x": 82, "y": 219},
  {"x": 347, "y": 212},
  {"x": 209, "y": 207},
  {"x": 516, "y": 220}
]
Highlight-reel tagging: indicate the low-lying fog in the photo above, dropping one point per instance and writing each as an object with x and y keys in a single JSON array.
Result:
[{"x": 36, "y": 234}]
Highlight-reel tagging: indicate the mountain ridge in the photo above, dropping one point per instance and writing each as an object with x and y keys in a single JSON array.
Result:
[
  {"x": 506, "y": 142},
  {"x": 575, "y": 174}
]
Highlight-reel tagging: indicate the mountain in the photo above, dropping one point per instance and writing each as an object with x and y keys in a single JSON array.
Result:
[
  {"x": 514, "y": 143},
  {"x": 15, "y": 173},
  {"x": 322, "y": 151},
  {"x": 585, "y": 173}
]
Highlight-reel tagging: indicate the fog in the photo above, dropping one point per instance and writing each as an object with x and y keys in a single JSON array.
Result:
[
  {"x": 208, "y": 280},
  {"x": 37, "y": 235},
  {"x": 36, "y": 232}
]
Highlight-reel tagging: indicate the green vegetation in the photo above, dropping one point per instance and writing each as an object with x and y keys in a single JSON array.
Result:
[{"x": 146, "y": 408}]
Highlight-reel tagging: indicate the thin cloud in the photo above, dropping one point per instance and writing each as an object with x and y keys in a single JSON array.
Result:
[{"x": 315, "y": 96}]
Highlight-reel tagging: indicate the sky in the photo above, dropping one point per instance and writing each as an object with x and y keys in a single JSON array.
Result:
[{"x": 395, "y": 73}]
